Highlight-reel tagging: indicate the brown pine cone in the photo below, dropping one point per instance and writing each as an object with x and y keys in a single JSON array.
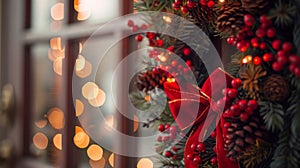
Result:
[
  {"x": 150, "y": 79},
  {"x": 257, "y": 6},
  {"x": 276, "y": 88},
  {"x": 230, "y": 19}
]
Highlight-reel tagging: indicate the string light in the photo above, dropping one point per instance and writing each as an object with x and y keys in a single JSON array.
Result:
[
  {"x": 247, "y": 59},
  {"x": 167, "y": 19}
]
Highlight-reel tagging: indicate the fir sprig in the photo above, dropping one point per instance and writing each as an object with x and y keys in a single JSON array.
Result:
[{"x": 273, "y": 115}]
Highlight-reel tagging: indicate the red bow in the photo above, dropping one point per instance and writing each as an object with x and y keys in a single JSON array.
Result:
[{"x": 191, "y": 105}]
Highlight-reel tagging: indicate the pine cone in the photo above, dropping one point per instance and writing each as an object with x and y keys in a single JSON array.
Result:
[
  {"x": 241, "y": 135},
  {"x": 257, "y": 6},
  {"x": 275, "y": 88},
  {"x": 150, "y": 79},
  {"x": 230, "y": 19}
]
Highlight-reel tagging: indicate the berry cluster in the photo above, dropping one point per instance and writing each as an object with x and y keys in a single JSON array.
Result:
[
  {"x": 185, "y": 6},
  {"x": 242, "y": 109},
  {"x": 169, "y": 133},
  {"x": 200, "y": 150},
  {"x": 172, "y": 153},
  {"x": 266, "y": 45}
]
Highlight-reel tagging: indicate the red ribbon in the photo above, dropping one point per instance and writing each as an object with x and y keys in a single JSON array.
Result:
[{"x": 190, "y": 105}]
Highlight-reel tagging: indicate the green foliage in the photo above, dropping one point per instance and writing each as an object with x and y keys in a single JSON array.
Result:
[
  {"x": 273, "y": 115},
  {"x": 296, "y": 35},
  {"x": 234, "y": 66},
  {"x": 294, "y": 81},
  {"x": 284, "y": 13}
]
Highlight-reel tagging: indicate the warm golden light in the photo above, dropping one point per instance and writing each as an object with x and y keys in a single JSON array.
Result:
[
  {"x": 135, "y": 123},
  {"x": 82, "y": 5},
  {"x": 167, "y": 19},
  {"x": 80, "y": 63},
  {"x": 55, "y": 43},
  {"x": 57, "y": 141},
  {"x": 97, "y": 164},
  {"x": 84, "y": 15},
  {"x": 90, "y": 90},
  {"x": 99, "y": 100},
  {"x": 145, "y": 163},
  {"x": 57, "y": 66},
  {"x": 221, "y": 1},
  {"x": 58, "y": 53},
  {"x": 109, "y": 120},
  {"x": 171, "y": 80},
  {"x": 95, "y": 152},
  {"x": 81, "y": 139},
  {"x": 41, "y": 123},
  {"x": 86, "y": 71},
  {"x": 162, "y": 58},
  {"x": 79, "y": 106},
  {"x": 57, "y": 11},
  {"x": 111, "y": 160},
  {"x": 80, "y": 47},
  {"x": 78, "y": 129},
  {"x": 40, "y": 140},
  {"x": 247, "y": 59},
  {"x": 148, "y": 98},
  {"x": 56, "y": 118}
]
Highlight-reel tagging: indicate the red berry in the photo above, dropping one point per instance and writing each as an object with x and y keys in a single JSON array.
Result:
[
  {"x": 221, "y": 103},
  {"x": 230, "y": 40},
  {"x": 277, "y": 66},
  {"x": 244, "y": 116},
  {"x": 257, "y": 60},
  {"x": 175, "y": 149},
  {"x": 282, "y": 59},
  {"x": 294, "y": 59},
  {"x": 139, "y": 38},
  {"x": 186, "y": 51},
  {"x": 161, "y": 128},
  {"x": 165, "y": 138},
  {"x": 189, "y": 157},
  {"x": 297, "y": 71},
  {"x": 179, "y": 2},
  {"x": 184, "y": 9},
  {"x": 150, "y": 35},
  {"x": 268, "y": 57},
  {"x": 227, "y": 125},
  {"x": 271, "y": 32},
  {"x": 144, "y": 27},
  {"x": 260, "y": 33},
  {"x": 203, "y": 2},
  {"x": 190, "y": 4},
  {"x": 243, "y": 46},
  {"x": 197, "y": 160},
  {"x": 176, "y": 6},
  {"x": 185, "y": 70},
  {"x": 241, "y": 36},
  {"x": 159, "y": 42},
  {"x": 235, "y": 109},
  {"x": 188, "y": 63},
  {"x": 213, "y": 134},
  {"x": 263, "y": 46},
  {"x": 264, "y": 19},
  {"x": 249, "y": 20},
  {"x": 292, "y": 67},
  {"x": 168, "y": 154},
  {"x": 281, "y": 53},
  {"x": 253, "y": 104},
  {"x": 225, "y": 91},
  {"x": 167, "y": 126},
  {"x": 255, "y": 42},
  {"x": 236, "y": 82},
  {"x": 135, "y": 28},
  {"x": 213, "y": 160},
  {"x": 170, "y": 48},
  {"x": 193, "y": 146},
  {"x": 232, "y": 93},
  {"x": 249, "y": 111},
  {"x": 250, "y": 33},
  {"x": 227, "y": 101},
  {"x": 210, "y": 4},
  {"x": 276, "y": 44},
  {"x": 242, "y": 104},
  {"x": 130, "y": 23},
  {"x": 201, "y": 147},
  {"x": 173, "y": 129},
  {"x": 174, "y": 63},
  {"x": 287, "y": 47},
  {"x": 159, "y": 139}
]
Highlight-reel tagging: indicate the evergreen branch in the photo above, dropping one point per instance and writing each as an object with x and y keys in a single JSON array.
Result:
[
  {"x": 273, "y": 115},
  {"x": 296, "y": 35}
]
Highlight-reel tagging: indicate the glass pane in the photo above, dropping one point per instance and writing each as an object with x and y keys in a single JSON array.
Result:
[
  {"x": 47, "y": 14},
  {"x": 48, "y": 119},
  {"x": 96, "y": 10}
]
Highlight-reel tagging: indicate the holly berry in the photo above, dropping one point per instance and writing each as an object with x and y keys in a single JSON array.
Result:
[
  {"x": 213, "y": 134},
  {"x": 271, "y": 32},
  {"x": 189, "y": 157},
  {"x": 264, "y": 19},
  {"x": 249, "y": 111},
  {"x": 186, "y": 51},
  {"x": 170, "y": 48},
  {"x": 292, "y": 67},
  {"x": 193, "y": 146},
  {"x": 232, "y": 93},
  {"x": 190, "y": 4},
  {"x": 139, "y": 38},
  {"x": 213, "y": 160},
  {"x": 197, "y": 160},
  {"x": 287, "y": 47},
  {"x": 210, "y": 4},
  {"x": 173, "y": 129},
  {"x": 242, "y": 104},
  {"x": 175, "y": 149},
  {"x": 249, "y": 20},
  {"x": 130, "y": 23},
  {"x": 150, "y": 35},
  {"x": 165, "y": 138},
  {"x": 203, "y": 2},
  {"x": 176, "y": 6},
  {"x": 256, "y": 60},
  {"x": 253, "y": 104},
  {"x": 255, "y": 42},
  {"x": 159, "y": 138},
  {"x": 174, "y": 63},
  {"x": 268, "y": 57},
  {"x": 144, "y": 27},
  {"x": 260, "y": 33},
  {"x": 168, "y": 154},
  {"x": 263, "y": 46},
  {"x": 297, "y": 71},
  {"x": 159, "y": 42},
  {"x": 230, "y": 40},
  {"x": 225, "y": 91},
  {"x": 184, "y": 9},
  {"x": 167, "y": 126},
  {"x": 235, "y": 109},
  {"x": 201, "y": 147},
  {"x": 135, "y": 28},
  {"x": 244, "y": 116},
  {"x": 277, "y": 66},
  {"x": 236, "y": 82},
  {"x": 294, "y": 59},
  {"x": 282, "y": 59},
  {"x": 161, "y": 128},
  {"x": 227, "y": 125},
  {"x": 276, "y": 44},
  {"x": 188, "y": 63}
]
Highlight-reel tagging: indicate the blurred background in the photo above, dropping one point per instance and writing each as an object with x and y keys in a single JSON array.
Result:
[{"x": 41, "y": 44}]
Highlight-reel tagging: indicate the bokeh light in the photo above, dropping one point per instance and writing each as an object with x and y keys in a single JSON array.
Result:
[
  {"x": 97, "y": 164},
  {"x": 90, "y": 90},
  {"x": 41, "y": 123},
  {"x": 135, "y": 123},
  {"x": 57, "y": 11},
  {"x": 95, "y": 152},
  {"x": 56, "y": 118},
  {"x": 145, "y": 163},
  {"x": 111, "y": 159},
  {"x": 57, "y": 66},
  {"x": 81, "y": 139},
  {"x": 99, "y": 100},
  {"x": 57, "y": 141},
  {"x": 55, "y": 43},
  {"x": 79, "y": 106},
  {"x": 40, "y": 140},
  {"x": 86, "y": 71},
  {"x": 80, "y": 63}
]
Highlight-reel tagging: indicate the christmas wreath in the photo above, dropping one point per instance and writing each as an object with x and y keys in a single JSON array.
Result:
[{"x": 259, "y": 125}]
